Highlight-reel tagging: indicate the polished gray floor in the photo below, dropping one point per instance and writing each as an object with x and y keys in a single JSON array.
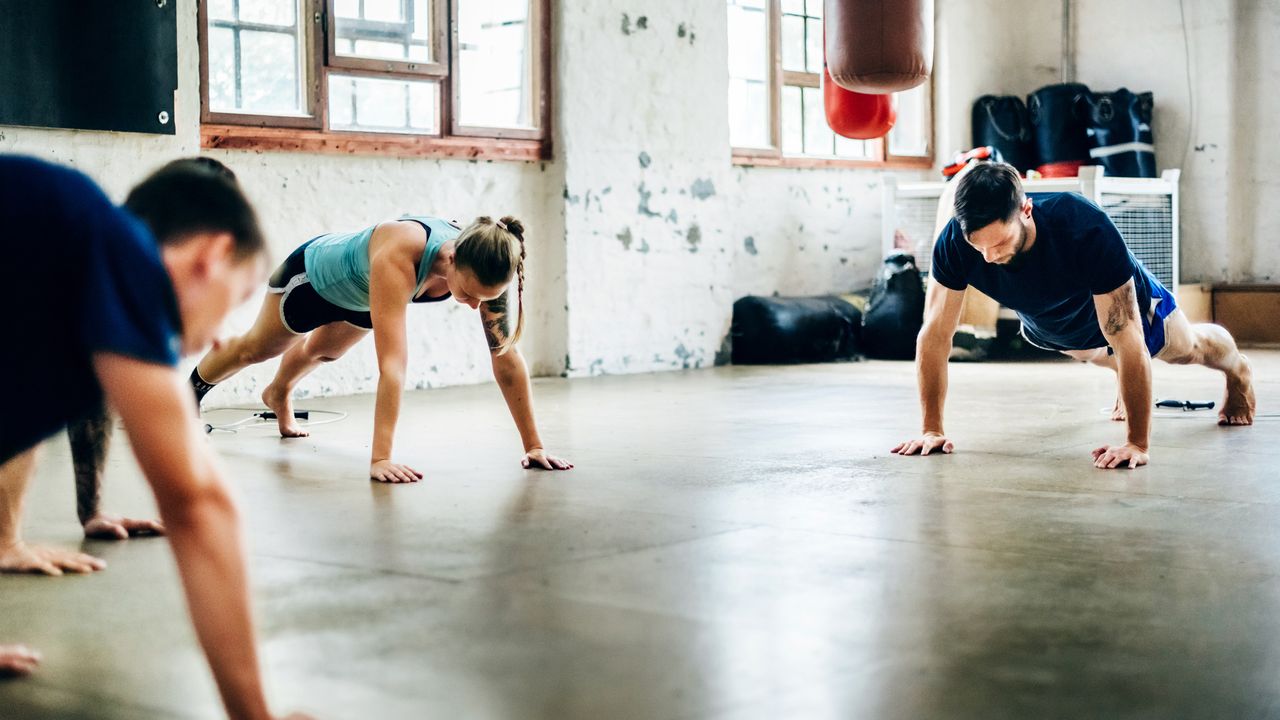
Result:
[{"x": 735, "y": 543}]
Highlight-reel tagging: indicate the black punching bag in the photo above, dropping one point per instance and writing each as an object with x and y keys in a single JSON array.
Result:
[
  {"x": 773, "y": 330},
  {"x": 895, "y": 311},
  {"x": 1001, "y": 122},
  {"x": 1120, "y": 132},
  {"x": 1060, "y": 125}
]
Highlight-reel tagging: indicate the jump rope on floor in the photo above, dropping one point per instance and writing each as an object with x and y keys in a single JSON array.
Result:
[
  {"x": 1185, "y": 409},
  {"x": 259, "y": 418}
]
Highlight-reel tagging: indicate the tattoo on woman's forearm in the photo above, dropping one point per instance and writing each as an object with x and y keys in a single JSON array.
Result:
[{"x": 496, "y": 328}]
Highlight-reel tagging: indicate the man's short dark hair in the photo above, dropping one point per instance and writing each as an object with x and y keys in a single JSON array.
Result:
[
  {"x": 194, "y": 195},
  {"x": 990, "y": 192}
]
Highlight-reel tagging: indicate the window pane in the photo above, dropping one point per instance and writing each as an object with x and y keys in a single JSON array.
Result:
[
  {"x": 268, "y": 73},
  {"x": 342, "y": 110},
  {"x": 818, "y": 138},
  {"x": 795, "y": 7},
  {"x": 376, "y": 49},
  {"x": 373, "y": 105},
  {"x": 389, "y": 29},
  {"x": 424, "y": 106},
  {"x": 255, "y": 71},
  {"x": 792, "y": 121},
  {"x": 222, "y": 69},
  {"x": 270, "y": 12},
  {"x": 221, "y": 10},
  {"x": 748, "y": 114},
  {"x": 813, "y": 45},
  {"x": 748, "y": 42},
  {"x": 495, "y": 64},
  {"x": 793, "y": 43},
  {"x": 910, "y": 134},
  {"x": 384, "y": 10},
  {"x": 748, "y": 74},
  {"x": 856, "y": 149},
  {"x": 802, "y": 37}
]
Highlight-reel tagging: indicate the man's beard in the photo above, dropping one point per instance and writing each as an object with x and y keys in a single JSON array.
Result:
[{"x": 1019, "y": 259}]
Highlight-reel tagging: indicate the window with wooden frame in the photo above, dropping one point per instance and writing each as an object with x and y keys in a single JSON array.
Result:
[
  {"x": 775, "y": 96},
  {"x": 467, "y": 78}
]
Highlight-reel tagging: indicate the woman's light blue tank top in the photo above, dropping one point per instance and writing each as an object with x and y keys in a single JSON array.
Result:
[{"x": 337, "y": 264}]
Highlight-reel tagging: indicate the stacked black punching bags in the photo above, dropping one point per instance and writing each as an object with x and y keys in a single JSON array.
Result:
[
  {"x": 1064, "y": 126},
  {"x": 895, "y": 311}
]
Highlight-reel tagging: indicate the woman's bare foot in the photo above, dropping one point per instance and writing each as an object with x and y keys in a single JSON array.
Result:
[
  {"x": 281, "y": 403},
  {"x": 1240, "y": 404},
  {"x": 1118, "y": 414},
  {"x": 17, "y": 660}
]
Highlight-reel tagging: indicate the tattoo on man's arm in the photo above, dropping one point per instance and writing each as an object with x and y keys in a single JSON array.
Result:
[
  {"x": 496, "y": 326},
  {"x": 90, "y": 437},
  {"x": 1121, "y": 312}
]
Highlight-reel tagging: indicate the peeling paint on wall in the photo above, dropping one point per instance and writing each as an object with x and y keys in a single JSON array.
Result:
[
  {"x": 684, "y": 354},
  {"x": 693, "y": 237},
  {"x": 643, "y": 208},
  {"x": 702, "y": 189}
]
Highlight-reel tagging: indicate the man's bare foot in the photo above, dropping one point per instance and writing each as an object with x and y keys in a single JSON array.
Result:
[
  {"x": 24, "y": 558},
  {"x": 1240, "y": 404},
  {"x": 1118, "y": 414},
  {"x": 17, "y": 660},
  {"x": 281, "y": 403},
  {"x": 104, "y": 526}
]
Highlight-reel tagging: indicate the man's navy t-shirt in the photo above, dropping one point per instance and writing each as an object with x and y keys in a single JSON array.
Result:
[
  {"x": 78, "y": 275},
  {"x": 1078, "y": 253}
]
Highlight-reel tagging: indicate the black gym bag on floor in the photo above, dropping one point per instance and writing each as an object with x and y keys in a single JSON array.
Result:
[{"x": 774, "y": 330}]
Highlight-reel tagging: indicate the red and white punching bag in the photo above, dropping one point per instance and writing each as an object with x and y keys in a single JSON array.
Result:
[{"x": 879, "y": 46}]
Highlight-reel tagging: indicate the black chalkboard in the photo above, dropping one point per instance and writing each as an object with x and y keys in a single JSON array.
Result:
[{"x": 89, "y": 64}]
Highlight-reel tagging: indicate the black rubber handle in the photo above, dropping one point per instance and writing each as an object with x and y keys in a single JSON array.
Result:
[{"x": 1185, "y": 404}]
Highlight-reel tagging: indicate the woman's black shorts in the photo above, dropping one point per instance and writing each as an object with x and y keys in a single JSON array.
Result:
[{"x": 301, "y": 307}]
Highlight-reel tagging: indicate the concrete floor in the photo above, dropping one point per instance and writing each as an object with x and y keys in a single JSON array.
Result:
[{"x": 735, "y": 543}]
